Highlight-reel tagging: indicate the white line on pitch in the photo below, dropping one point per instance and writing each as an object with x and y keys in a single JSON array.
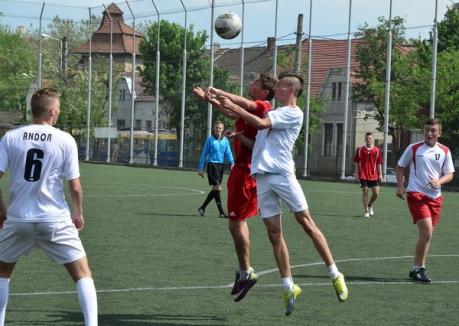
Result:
[{"x": 206, "y": 287}]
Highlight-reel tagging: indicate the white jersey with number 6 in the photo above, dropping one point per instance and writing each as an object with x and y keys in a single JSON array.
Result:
[{"x": 40, "y": 157}]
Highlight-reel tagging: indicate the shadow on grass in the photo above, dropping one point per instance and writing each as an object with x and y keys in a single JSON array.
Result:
[
  {"x": 70, "y": 317},
  {"x": 354, "y": 278}
]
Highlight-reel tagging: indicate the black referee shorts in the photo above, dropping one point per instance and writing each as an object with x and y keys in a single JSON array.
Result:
[{"x": 215, "y": 173}]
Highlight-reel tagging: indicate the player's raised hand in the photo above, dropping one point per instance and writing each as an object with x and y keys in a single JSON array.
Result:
[
  {"x": 213, "y": 92},
  {"x": 199, "y": 92},
  {"x": 78, "y": 220},
  {"x": 230, "y": 133}
]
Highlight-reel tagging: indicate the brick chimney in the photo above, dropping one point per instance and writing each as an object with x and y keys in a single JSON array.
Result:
[{"x": 271, "y": 43}]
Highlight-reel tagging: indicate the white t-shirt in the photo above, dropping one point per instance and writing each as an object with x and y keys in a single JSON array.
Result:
[
  {"x": 272, "y": 152},
  {"x": 426, "y": 163},
  {"x": 39, "y": 157}
]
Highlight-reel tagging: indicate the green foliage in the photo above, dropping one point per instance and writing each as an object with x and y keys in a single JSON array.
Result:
[
  {"x": 171, "y": 55},
  {"x": 17, "y": 62},
  {"x": 447, "y": 97},
  {"x": 448, "y": 30}
]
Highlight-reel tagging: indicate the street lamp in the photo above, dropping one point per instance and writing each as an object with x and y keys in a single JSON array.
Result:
[{"x": 61, "y": 46}]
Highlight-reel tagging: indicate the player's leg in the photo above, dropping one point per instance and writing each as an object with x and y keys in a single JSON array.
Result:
[
  {"x": 61, "y": 243},
  {"x": 87, "y": 297},
  {"x": 422, "y": 217},
  {"x": 217, "y": 175},
  {"x": 245, "y": 274},
  {"x": 241, "y": 237},
  {"x": 16, "y": 239},
  {"x": 365, "y": 198},
  {"x": 6, "y": 270},
  {"x": 374, "y": 196}
]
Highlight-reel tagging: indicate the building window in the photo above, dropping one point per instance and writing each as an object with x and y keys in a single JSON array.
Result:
[
  {"x": 337, "y": 91},
  {"x": 339, "y": 139},
  {"x": 122, "y": 94},
  {"x": 120, "y": 124},
  {"x": 149, "y": 125},
  {"x": 328, "y": 139},
  {"x": 138, "y": 124}
]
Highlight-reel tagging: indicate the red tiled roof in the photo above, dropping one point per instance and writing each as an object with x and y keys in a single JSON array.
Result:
[
  {"x": 121, "y": 34},
  {"x": 327, "y": 55}
]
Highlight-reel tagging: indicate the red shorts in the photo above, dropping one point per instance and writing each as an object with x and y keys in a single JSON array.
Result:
[
  {"x": 422, "y": 206},
  {"x": 242, "y": 193}
]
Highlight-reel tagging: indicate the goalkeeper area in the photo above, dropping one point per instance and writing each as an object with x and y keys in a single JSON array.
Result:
[{"x": 155, "y": 261}]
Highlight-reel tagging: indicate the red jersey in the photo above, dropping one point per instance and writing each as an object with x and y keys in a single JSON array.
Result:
[
  {"x": 242, "y": 187},
  {"x": 242, "y": 153},
  {"x": 368, "y": 160}
]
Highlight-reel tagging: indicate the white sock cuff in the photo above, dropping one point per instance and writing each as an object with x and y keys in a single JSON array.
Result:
[{"x": 84, "y": 280}]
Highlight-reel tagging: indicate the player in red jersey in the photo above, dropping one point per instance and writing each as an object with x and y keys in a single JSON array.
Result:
[
  {"x": 242, "y": 193},
  {"x": 431, "y": 166},
  {"x": 368, "y": 160}
]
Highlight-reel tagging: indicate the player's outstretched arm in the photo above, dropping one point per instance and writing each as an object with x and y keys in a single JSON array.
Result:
[
  {"x": 250, "y": 118},
  {"x": 76, "y": 195},
  {"x": 204, "y": 96},
  {"x": 236, "y": 99},
  {"x": 247, "y": 142}
]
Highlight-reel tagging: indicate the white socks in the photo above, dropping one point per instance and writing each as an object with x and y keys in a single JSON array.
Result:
[
  {"x": 287, "y": 283},
  {"x": 4, "y": 292},
  {"x": 88, "y": 300},
  {"x": 333, "y": 271}
]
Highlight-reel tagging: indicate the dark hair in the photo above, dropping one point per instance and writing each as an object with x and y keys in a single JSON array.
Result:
[
  {"x": 433, "y": 122},
  {"x": 369, "y": 133},
  {"x": 289, "y": 75},
  {"x": 41, "y": 100},
  {"x": 268, "y": 83}
]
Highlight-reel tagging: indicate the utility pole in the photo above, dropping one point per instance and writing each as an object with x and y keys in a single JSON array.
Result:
[{"x": 299, "y": 37}]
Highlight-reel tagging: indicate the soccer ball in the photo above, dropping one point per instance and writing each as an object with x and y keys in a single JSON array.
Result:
[{"x": 228, "y": 25}]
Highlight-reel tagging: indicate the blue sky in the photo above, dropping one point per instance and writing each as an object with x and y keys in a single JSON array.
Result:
[{"x": 329, "y": 17}]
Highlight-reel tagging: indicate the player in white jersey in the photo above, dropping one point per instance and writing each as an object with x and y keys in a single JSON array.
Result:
[
  {"x": 274, "y": 170},
  {"x": 39, "y": 157},
  {"x": 431, "y": 166}
]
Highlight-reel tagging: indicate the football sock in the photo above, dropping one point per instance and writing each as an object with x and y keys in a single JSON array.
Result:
[
  {"x": 210, "y": 196},
  {"x": 218, "y": 201},
  {"x": 244, "y": 275},
  {"x": 287, "y": 283},
  {"x": 415, "y": 268},
  {"x": 4, "y": 291},
  {"x": 333, "y": 271},
  {"x": 88, "y": 300}
]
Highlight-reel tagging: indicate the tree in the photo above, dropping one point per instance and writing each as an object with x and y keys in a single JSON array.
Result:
[
  {"x": 170, "y": 79},
  {"x": 17, "y": 62},
  {"x": 448, "y": 30},
  {"x": 409, "y": 77},
  {"x": 73, "y": 86}
]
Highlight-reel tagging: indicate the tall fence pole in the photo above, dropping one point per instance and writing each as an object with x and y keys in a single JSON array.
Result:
[
  {"x": 434, "y": 65},
  {"x": 387, "y": 91},
  {"x": 211, "y": 73},
  {"x": 110, "y": 83},
  {"x": 131, "y": 131},
  {"x": 241, "y": 89},
  {"x": 88, "y": 110},
  {"x": 158, "y": 61},
  {"x": 40, "y": 55},
  {"x": 346, "y": 94},
  {"x": 308, "y": 96},
  {"x": 182, "y": 108}
]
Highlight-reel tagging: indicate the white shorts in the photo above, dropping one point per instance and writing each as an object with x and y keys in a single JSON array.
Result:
[
  {"x": 59, "y": 240},
  {"x": 272, "y": 187}
]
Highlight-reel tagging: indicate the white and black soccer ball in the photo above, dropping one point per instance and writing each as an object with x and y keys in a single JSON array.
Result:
[{"x": 228, "y": 25}]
